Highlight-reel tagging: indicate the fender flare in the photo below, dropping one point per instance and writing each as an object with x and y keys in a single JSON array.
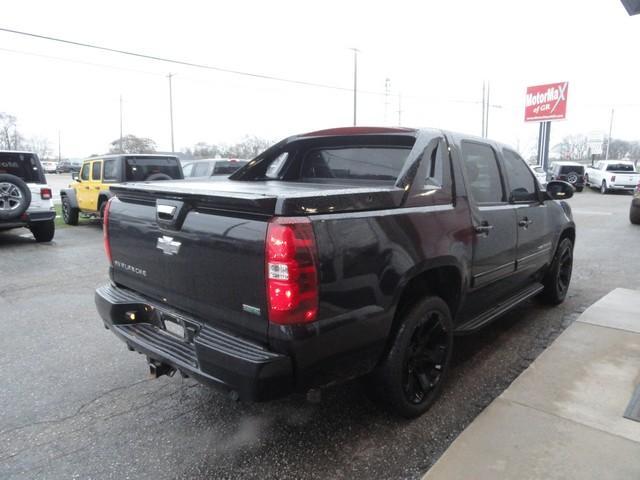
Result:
[
  {"x": 70, "y": 193},
  {"x": 104, "y": 193}
]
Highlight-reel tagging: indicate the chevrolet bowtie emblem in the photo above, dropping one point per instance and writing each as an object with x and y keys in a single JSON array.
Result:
[{"x": 168, "y": 245}]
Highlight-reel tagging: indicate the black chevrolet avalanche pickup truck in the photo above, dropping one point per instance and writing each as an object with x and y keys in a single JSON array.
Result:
[{"x": 332, "y": 255}]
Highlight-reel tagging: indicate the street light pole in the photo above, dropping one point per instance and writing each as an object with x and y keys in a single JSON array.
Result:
[
  {"x": 59, "y": 148},
  {"x": 606, "y": 157},
  {"x": 121, "y": 149},
  {"x": 171, "y": 109},
  {"x": 355, "y": 85}
]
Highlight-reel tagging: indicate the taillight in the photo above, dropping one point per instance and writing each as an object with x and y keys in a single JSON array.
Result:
[
  {"x": 105, "y": 230},
  {"x": 45, "y": 193},
  {"x": 292, "y": 276},
  {"x": 613, "y": 178}
]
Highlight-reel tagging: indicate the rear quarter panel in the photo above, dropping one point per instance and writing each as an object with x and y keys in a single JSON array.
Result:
[{"x": 366, "y": 259}]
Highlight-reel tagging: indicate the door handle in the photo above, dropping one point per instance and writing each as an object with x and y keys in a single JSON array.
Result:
[
  {"x": 484, "y": 228},
  {"x": 525, "y": 222},
  {"x": 86, "y": 188}
]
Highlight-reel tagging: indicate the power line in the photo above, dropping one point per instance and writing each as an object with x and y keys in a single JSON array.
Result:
[
  {"x": 174, "y": 61},
  {"x": 206, "y": 67}
]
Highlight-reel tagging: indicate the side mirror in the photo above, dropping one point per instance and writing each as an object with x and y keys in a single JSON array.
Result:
[
  {"x": 560, "y": 190},
  {"x": 75, "y": 177}
]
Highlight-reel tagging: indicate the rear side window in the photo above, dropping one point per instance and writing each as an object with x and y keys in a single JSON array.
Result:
[
  {"x": 110, "y": 171},
  {"x": 139, "y": 169},
  {"x": 482, "y": 173},
  {"x": 354, "y": 163},
  {"x": 22, "y": 165},
  {"x": 520, "y": 177},
  {"x": 84, "y": 173},
  {"x": 96, "y": 170}
]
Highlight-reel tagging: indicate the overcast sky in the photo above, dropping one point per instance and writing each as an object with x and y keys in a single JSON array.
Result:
[{"x": 436, "y": 54}]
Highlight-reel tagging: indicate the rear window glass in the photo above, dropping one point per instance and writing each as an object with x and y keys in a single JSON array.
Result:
[
  {"x": 579, "y": 169},
  {"x": 227, "y": 168},
  {"x": 620, "y": 167},
  {"x": 22, "y": 165},
  {"x": 355, "y": 163},
  {"x": 141, "y": 168}
]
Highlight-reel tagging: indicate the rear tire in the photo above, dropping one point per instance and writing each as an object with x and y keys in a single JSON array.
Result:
[
  {"x": 410, "y": 378},
  {"x": 69, "y": 213},
  {"x": 43, "y": 231},
  {"x": 579, "y": 189},
  {"x": 556, "y": 281},
  {"x": 603, "y": 188},
  {"x": 634, "y": 215}
]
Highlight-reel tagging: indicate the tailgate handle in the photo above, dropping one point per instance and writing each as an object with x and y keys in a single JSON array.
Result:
[
  {"x": 165, "y": 212},
  {"x": 171, "y": 213}
]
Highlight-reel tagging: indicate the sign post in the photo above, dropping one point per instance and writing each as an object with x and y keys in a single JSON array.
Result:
[{"x": 544, "y": 103}]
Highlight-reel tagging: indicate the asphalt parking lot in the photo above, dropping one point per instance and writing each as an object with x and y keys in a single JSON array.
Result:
[{"x": 77, "y": 404}]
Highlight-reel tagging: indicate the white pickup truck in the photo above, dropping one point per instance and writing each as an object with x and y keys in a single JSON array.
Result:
[{"x": 610, "y": 175}]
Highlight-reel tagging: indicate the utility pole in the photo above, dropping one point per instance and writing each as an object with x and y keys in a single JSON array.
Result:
[
  {"x": 606, "y": 157},
  {"x": 484, "y": 103},
  {"x": 486, "y": 122},
  {"x": 355, "y": 85},
  {"x": 400, "y": 109},
  {"x": 121, "y": 149},
  {"x": 171, "y": 109},
  {"x": 387, "y": 92},
  {"x": 59, "y": 148}
]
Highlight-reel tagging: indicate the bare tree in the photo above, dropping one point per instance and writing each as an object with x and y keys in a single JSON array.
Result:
[
  {"x": 39, "y": 145},
  {"x": 133, "y": 144},
  {"x": 574, "y": 147},
  {"x": 249, "y": 147},
  {"x": 206, "y": 150},
  {"x": 10, "y": 139}
]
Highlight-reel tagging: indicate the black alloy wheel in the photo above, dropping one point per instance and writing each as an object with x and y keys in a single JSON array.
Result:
[
  {"x": 556, "y": 281},
  {"x": 426, "y": 355},
  {"x": 411, "y": 376}
]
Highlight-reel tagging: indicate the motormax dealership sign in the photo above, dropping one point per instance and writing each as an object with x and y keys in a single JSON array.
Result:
[{"x": 546, "y": 102}]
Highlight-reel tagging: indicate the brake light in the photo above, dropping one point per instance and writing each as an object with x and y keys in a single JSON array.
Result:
[
  {"x": 105, "y": 230},
  {"x": 45, "y": 193},
  {"x": 613, "y": 178},
  {"x": 292, "y": 275}
]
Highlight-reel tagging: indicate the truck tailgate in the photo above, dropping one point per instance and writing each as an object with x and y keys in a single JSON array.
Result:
[
  {"x": 210, "y": 264},
  {"x": 627, "y": 179}
]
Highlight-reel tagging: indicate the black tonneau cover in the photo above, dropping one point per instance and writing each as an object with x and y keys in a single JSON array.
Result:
[{"x": 267, "y": 197}]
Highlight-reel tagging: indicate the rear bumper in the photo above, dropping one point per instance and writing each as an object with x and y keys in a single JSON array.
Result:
[
  {"x": 629, "y": 188},
  {"x": 210, "y": 355},
  {"x": 28, "y": 218}
]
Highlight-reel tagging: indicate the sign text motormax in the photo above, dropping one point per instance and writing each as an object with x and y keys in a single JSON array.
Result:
[{"x": 546, "y": 102}]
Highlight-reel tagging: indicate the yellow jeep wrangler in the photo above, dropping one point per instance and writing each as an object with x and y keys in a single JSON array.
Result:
[{"x": 89, "y": 192}]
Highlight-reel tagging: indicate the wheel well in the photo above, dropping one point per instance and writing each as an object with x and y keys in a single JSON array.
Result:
[
  {"x": 569, "y": 233},
  {"x": 101, "y": 200},
  {"x": 445, "y": 282}
]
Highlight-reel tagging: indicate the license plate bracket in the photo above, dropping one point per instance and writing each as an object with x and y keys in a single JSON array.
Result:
[{"x": 174, "y": 327}]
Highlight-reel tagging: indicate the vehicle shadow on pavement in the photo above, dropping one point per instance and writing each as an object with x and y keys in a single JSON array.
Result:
[{"x": 14, "y": 237}]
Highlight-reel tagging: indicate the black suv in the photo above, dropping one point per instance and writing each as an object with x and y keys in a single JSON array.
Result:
[
  {"x": 25, "y": 197},
  {"x": 571, "y": 172}
]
